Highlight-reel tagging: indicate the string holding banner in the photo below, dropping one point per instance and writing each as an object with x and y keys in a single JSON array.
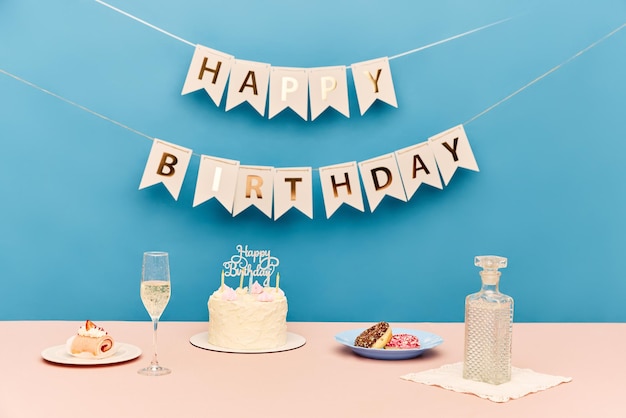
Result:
[{"x": 426, "y": 159}]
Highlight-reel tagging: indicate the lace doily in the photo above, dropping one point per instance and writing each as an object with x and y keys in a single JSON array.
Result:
[{"x": 523, "y": 382}]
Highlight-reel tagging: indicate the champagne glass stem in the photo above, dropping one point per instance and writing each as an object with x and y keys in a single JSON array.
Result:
[{"x": 155, "y": 324}]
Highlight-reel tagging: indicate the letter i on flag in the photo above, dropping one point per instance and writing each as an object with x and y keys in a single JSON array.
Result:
[
  {"x": 167, "y": 164},
  {"x": 217, "y": 178},
  {"x": 452, "y": 150}
]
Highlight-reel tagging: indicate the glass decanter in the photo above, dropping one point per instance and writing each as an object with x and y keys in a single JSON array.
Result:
[{"x": 488, "y": 327}]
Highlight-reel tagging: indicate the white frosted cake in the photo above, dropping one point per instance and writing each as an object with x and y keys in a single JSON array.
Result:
[{"x": 242, "y": 320}]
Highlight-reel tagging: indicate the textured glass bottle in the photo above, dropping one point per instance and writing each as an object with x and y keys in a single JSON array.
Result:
[{"x": 488, "y": 327}]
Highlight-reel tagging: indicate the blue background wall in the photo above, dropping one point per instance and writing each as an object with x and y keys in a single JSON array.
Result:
[{"x": 549, "y": 194}]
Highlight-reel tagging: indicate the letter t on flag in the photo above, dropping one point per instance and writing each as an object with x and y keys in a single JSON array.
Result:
[{"x": 167, "y": 164}]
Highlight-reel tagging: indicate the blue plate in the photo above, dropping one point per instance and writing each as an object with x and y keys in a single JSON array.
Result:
[{"x": 427, "y": 341}]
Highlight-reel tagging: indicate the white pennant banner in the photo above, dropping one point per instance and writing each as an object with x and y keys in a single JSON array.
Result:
[
  {"x": 167, "y": 164},
  {"x": 341, "y": 184},
  {"x": 295, "y": 88},
  {"x": 293, "y": 188},
  {"x": 248, "y": 83},
  {"x": 452, "y": 150},
  {"x": 328, "y": 87},
  {"x": 398, "y": 174},
  {"x": 418, "y": 165},
  {"x": 372, "y": 80},
  {"x": 381, "y": 177},
  {"x": 254, "y": 188},
  {"x": 289, "y": 87},
  {"x": 217, "y": 177},
  {"x": 209, "y": 69}
]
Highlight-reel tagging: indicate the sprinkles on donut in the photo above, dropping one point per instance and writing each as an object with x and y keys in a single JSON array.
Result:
[
  {"x": 376, "y": 336},
  {"x": 403, "y": 341}
]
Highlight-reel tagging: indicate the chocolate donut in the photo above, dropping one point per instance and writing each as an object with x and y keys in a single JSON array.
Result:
[{"x": 376, "y": 336}]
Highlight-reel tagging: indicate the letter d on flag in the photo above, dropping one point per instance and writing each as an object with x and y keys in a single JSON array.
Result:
[{"x": 166, "y": 164}]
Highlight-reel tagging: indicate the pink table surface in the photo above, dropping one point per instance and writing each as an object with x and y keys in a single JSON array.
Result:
[{"x": 320, "y": 379}]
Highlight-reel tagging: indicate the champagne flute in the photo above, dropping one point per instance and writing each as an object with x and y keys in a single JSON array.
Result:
[{"x": 155, "y": 294}]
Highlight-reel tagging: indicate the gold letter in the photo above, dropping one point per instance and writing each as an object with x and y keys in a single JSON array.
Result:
[
  {"x": 346, "y": 183},
  {"x": 328, "y": 84},
  {"x": 216, "y": 179},
  {"x": 422, "y": 166},
  {"x": 211, "y": 70},
  {"x": 256, "y": 187},
  {"x": 293, "y": 182},
  {"x": 253, "y": 85},
  {"x": 289, "y": 85},
  {"x": 385, "y": 170},
  {"x": 453, "y": 148},
  {"x": 170, "y": 165},
  {"x": 374, "y": 81}
]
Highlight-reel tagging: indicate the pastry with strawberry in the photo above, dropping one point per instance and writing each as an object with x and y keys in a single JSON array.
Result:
[{"x": 91, "y": 341}]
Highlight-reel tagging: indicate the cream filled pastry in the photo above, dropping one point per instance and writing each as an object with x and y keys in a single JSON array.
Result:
[{"x": 91, "y": 341}]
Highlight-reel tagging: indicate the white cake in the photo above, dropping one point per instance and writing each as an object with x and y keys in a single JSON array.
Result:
[{"x": 242, "y": 320}]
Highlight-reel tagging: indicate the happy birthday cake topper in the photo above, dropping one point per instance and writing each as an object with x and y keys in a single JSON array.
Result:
[{"x": 251, "y": 263}]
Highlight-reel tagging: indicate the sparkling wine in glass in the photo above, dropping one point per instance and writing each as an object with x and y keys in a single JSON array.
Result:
[{"x": 155, "y": 294}]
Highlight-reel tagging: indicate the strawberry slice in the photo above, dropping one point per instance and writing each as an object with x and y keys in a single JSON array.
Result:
[{"x": 89, "y": 325}]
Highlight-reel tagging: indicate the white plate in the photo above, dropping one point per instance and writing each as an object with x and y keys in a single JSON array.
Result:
[
  {"x": 427, "y": 341},
  {"x": 59, "y": 354},
  {"x": 202, "y": 341}
]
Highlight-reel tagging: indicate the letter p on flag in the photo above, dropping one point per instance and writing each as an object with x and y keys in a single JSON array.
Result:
[{"x": 167, "y": 164}]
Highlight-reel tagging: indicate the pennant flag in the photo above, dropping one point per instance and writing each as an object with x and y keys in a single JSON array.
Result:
[
  {"x": 381, "y": 177},
  {"x": 254, "y": 188},
  {"x": 417, "y": 165},
  {"x": 452, "y": 150},
  {"x": 340, "y": 184},
  {"x": 328, "y": 86},
  {"x": 372, "y": 80},
  {"x": 293, "y": 188},
  {"x": 209, "y": 69},
  {"x": 248, "y": 83},
  {"x": 289, "y": 87},
  {"x": 167, "y": 164},
  {"x": 217, "y": 177}
]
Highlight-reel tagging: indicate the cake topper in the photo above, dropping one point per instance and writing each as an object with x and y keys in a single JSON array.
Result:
[{"x": 251, "y": 263}]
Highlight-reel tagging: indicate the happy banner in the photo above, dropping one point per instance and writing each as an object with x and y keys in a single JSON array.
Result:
[
  {"x": 274, "y": 191},
  {"x": 300, "y": 89}
]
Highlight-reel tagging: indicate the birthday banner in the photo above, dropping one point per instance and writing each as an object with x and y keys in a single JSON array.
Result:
[
  {"x": 274, "y": 191},
  {"x": 300, "y": 89}
]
